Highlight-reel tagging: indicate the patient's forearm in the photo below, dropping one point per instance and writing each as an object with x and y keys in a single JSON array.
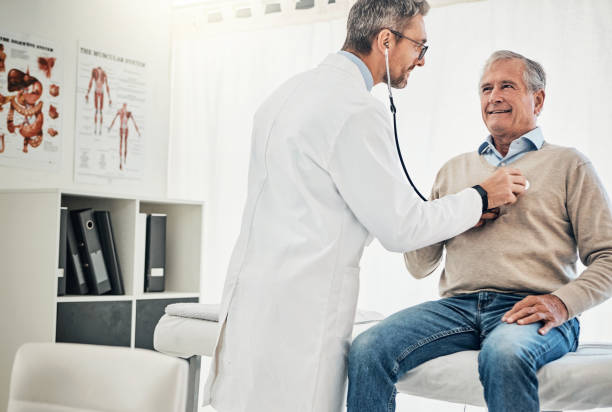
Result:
[
  {"x": 591, "y": 288},
  {"x": 422, "y": 262},
  {"x": 591, "y": 217}
]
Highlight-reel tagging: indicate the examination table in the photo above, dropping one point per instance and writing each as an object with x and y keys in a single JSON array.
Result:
[{"x": 580, "y": 380}]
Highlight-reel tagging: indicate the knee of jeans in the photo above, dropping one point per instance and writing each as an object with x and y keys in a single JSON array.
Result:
[
  {"x": 503, "y": 357},
  {"x": 365, "y": 349}
]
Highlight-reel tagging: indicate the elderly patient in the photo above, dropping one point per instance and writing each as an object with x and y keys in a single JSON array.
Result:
[{"x": 509, "y": 286}]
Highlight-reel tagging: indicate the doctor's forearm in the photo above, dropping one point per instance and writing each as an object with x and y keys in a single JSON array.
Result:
[{"x": 438, "y": 220}]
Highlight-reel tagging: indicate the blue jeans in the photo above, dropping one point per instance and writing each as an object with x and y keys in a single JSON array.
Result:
[{"x": 510, "y": 354}]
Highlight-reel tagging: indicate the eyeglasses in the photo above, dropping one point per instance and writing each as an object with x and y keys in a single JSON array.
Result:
[{"x": 418, "y": 43}]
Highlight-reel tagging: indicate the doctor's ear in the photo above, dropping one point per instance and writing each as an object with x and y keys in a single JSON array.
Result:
[{"x": 384, "y": 40}]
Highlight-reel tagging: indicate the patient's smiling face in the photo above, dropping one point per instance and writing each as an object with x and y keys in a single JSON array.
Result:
[{"x": 509, "y": 108}]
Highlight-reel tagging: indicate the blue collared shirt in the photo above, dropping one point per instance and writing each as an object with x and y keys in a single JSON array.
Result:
[
  {"x": 365, "y": 72},
  {"x": 532, "y": 140}
]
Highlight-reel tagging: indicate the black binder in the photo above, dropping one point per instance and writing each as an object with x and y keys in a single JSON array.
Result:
[
  {"x": 75, "y": 278},
  {"x": 90, "y": 251},
  {"x": 61, "y": 264},
  {"x": 109, "y": 250},
  {"x": 155, "y": 254}
]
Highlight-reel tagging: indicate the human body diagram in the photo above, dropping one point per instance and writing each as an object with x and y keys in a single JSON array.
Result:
[
  {"x": 26, "y": 103},
  {"x": 124, "y": 115},
  {"x": 99, "y": 77}
]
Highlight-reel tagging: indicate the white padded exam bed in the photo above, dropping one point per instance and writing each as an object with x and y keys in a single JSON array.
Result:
[{"x": 578, "y": 381}]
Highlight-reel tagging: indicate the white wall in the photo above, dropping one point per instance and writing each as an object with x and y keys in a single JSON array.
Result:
[{"x": 135, "y": 28}]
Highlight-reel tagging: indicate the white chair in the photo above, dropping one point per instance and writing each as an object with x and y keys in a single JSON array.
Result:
[{"x": 65, "y": 377}]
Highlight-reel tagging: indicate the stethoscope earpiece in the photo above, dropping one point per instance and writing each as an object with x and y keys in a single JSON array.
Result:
[{"x": 388, "y": 74}]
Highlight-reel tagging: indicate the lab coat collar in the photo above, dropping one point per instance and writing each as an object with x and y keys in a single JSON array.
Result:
[
  {"x": 363, "y": 69},
  {"x": 343, "y": 63}
]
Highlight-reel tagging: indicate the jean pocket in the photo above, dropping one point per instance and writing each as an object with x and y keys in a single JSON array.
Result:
[{"x": 570, "y": 331}]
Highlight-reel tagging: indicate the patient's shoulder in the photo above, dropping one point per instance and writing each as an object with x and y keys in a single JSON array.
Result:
[
  {"x": 563, "y": 154},
  {"x": 461, "y": 161}
]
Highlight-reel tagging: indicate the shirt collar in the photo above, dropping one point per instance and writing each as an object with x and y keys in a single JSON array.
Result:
[
  {"x": 535, "y": 136},
  {"x": 365, "y": 72}
]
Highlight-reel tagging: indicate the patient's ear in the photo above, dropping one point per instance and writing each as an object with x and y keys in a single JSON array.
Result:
[{"x": 538, "y": 100}]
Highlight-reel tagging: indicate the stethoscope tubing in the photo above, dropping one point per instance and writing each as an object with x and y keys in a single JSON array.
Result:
[{"x": 397, "y": 146}]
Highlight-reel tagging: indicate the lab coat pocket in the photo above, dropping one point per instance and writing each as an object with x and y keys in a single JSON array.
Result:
[{"x": 347, "y": 302}]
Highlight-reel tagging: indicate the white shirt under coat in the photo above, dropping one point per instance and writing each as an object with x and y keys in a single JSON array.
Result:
[{"x": 323, "y": 177}]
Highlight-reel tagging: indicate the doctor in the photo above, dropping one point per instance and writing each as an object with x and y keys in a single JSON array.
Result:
[{"x": 324, "y": 178}]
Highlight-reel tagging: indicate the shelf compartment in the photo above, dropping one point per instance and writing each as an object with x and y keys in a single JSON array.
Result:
[
  {"x": 98, "y": 323},
  {"x": 123, "y": 218},
  {"x": 184, "y": 228}
]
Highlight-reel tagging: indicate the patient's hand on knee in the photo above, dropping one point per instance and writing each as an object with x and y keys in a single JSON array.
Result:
[{"x": 548, "y": 309}]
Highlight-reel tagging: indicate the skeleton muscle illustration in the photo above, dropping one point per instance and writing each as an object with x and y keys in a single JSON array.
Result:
[
  {"x": 25, "y": 102},
  {"x": 98, "y": 75},
  {"x": 124, "y": 116}
]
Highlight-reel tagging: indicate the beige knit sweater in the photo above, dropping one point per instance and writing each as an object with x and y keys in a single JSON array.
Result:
[{"x": 533, "y": 246}]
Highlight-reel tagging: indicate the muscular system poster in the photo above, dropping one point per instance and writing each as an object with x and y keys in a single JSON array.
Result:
[
  {"x": 110, "y": 117},
  {"x": 30, "y": 102}
]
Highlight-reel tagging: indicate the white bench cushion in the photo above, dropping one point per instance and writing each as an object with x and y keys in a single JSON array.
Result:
[
  {"x": 185, "y": 337},
  {"x": 579, "y": 380}
]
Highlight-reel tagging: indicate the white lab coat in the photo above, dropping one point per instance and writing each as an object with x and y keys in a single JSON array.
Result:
[{"x": 323, "y": 177}]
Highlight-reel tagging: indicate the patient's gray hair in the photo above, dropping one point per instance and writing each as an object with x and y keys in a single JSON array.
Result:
[
  {"x": 368, "y": 17},
  {"x": 533, "y": 75}
]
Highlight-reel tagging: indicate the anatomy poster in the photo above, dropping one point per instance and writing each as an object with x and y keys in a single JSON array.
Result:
[
  {"x": 30, "y": 102},
  {"x": 110, "y": 117}
]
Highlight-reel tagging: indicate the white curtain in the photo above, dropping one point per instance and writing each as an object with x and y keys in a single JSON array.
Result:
[{"x": 220, "y": 77}]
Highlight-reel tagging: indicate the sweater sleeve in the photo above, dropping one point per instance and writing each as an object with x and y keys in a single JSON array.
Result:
[{"x": 590, "y": 214}]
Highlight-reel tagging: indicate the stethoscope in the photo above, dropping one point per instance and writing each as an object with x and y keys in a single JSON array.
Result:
[{"x": 393, "y": 111}]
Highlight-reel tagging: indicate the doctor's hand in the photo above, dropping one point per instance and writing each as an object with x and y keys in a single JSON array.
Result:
[
  {"x": 548, "y": 309},
  {"x": 504, "y": 186}
]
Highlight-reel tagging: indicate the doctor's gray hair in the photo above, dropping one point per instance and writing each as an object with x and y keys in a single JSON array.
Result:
[
  {"x": 533, "y": 74},
  {"x": 368, "y": 17}
]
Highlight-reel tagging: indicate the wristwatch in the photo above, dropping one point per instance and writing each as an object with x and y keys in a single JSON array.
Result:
[{"x": 483, "y": 196}]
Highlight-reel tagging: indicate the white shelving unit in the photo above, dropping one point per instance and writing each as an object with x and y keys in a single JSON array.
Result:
[{"x": 29, "y": 251}]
